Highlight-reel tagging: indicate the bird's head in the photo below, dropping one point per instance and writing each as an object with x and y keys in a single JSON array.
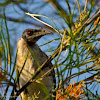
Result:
[{"x": 33, "y": 35}]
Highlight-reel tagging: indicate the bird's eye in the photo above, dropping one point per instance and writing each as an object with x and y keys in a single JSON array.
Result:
[{"x": 30, "y": 33}]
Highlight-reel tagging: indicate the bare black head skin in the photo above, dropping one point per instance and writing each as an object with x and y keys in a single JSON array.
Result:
[{"x": 33, "y": 35}]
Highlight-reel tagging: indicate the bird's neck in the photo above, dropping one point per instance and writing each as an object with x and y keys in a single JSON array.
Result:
[{"x": 31, "y": 43}]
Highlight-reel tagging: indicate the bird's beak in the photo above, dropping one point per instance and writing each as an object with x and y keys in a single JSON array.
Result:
[
  {"x": 37, "y": 35},
  {"x": 41, "y": 33}
]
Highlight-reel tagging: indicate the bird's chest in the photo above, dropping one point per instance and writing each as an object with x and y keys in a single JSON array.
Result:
[{"x": 30, "y": 58}]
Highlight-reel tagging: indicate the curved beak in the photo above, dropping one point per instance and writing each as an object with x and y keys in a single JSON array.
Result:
[
  {"x": 37, "y": 35},
  {"x": 40, "y": 33}
]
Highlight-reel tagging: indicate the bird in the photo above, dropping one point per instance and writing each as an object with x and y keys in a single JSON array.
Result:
[{"x": 29, "y": 58}]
